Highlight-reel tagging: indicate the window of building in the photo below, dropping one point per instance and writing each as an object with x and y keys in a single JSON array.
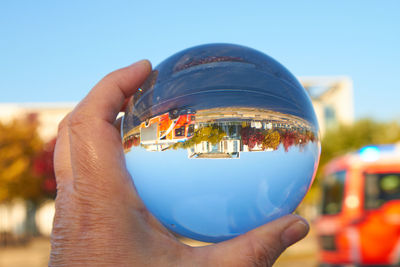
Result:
[
  {"x": 180, "y": 131},
  {"x": 190, "y": 130},
  {"x": 330, "y": 116}
]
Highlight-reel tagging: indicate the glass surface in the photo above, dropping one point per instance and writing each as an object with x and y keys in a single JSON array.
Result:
[
  {"x": 220, "y": 139},
  {"x": 381, "y": 188},
  {"x": 333, "y": 190}
]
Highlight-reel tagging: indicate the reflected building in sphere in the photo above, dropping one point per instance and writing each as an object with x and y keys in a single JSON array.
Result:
[{"x": 220, "y": 133}]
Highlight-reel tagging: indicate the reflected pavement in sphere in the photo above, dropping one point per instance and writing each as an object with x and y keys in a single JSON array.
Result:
[{"x": 220, "y": 139}]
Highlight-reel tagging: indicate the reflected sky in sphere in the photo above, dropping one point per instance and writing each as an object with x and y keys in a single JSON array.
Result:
[{"x": 220, "y": 139}]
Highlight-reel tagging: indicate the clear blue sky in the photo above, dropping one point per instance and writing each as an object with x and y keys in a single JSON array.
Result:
[{"x": 57, "y": 50}]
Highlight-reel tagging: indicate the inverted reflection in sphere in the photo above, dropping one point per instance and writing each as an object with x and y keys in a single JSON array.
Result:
[{"x": 220, "y": 139}]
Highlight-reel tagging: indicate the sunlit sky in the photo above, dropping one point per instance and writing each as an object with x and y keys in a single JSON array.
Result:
[{"x": 55, "y": 51}]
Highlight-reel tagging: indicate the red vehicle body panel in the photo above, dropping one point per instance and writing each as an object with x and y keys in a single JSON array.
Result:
[{"x": 357, "y": 235}]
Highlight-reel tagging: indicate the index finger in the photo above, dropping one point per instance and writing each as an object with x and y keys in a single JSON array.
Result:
[
  {"x": 97, "y": 157},
  {"x": 105, "y": 100}
]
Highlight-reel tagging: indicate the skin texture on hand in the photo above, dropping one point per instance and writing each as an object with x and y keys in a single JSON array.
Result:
[{"x": 100, "y": 219}]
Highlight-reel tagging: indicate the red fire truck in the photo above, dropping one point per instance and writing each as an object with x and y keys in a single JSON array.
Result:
[
  {"x": 360, "y": 220},
  {"x": 169, "y": 127}
]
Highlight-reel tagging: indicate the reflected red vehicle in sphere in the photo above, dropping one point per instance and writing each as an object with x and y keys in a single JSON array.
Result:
[{"x": 360, "y": 220}]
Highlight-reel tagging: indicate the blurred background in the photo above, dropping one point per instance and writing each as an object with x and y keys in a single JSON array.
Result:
[{"x": 345, "y": 53}]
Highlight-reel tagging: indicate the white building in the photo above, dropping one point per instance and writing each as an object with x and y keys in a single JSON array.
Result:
[
  {"x": 49, "y": 115},
  {"x": 332, "y": 97},
  {"x": 227, "y": 148}
]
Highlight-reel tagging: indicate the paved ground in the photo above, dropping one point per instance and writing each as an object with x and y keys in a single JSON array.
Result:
[
  {"x": 302, "y": 254},
  {"x": 35, "y": 254}
]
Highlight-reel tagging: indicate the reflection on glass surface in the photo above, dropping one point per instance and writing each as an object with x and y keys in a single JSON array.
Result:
[
  {"x": 333, "y": 191},
  {"x": 220, "y": 139},
  {"x": 381, "y": 188}
]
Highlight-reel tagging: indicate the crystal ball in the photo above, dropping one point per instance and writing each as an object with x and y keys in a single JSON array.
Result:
[{"x": 220, "y": 139}]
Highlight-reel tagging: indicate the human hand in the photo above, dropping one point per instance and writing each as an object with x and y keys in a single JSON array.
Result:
[{"x": 100, "y": 219}]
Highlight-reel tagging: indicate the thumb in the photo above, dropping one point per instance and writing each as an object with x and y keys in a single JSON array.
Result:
[{"x": 263, "y": 245}]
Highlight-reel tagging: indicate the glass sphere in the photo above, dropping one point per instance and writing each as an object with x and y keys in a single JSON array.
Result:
[{"x": 219, "y": 140}]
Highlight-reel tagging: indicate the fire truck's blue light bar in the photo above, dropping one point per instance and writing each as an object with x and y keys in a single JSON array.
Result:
[{"x": 370, "y": 153}]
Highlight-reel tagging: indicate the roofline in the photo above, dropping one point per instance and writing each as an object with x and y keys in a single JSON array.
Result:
[
  {"x": 35, "y": 105},
  {"x": 324, "y": 79}
]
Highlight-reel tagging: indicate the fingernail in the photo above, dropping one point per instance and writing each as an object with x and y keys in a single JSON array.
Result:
[
  {"x": 295, "y": 232},
  {"x": 142, "y": 62}
]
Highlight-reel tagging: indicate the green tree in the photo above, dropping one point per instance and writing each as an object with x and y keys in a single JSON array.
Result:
[{"x": 346, "y": 138}]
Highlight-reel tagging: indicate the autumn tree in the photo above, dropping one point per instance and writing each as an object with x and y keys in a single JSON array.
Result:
[
  {"x": 288, "y": 139},
  {"x": 19, "y": 145},
  {"x": 252, "y": 137},
  {"x": 213, "y": 134},
  {"x": 26, "y": 167},
  {"x": 272, "y": 140},
  {"x": 43, "y": 166}
]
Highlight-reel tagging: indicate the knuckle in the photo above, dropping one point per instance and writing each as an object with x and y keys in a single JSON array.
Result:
[
  {"x": 60, "y": 171},
  {"x": 63, "y": 123},
  {"x": 114, "y": 80},
  {"x": 79, "y": 120},
  {"x": 76, "y": 118},
  {"x": 110, "y": 78}
]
